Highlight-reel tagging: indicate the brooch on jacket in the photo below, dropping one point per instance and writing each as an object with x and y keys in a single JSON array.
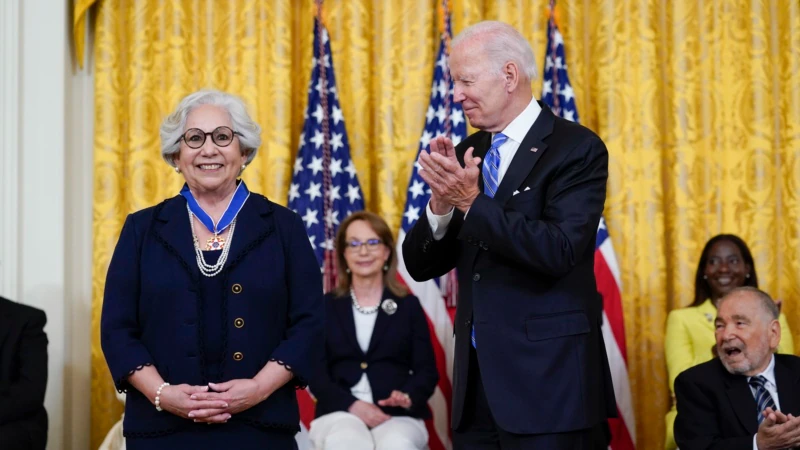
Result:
[{"x": 389, "y": 306}]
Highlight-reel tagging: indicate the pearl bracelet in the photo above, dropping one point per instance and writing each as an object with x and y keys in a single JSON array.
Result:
[{"x": 158, "y": 396}]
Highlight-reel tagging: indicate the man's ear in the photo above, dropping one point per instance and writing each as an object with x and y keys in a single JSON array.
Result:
[
  {"x": 511, "y": 75},
  {"x": 774, "y": 334}
]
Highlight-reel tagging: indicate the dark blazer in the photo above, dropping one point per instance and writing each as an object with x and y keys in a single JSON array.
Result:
[
  {"x": 400, "y": 357},
  {"x": 23, "y": 377},
  {"x": 525, "y": 263},
  {"x": 716, "y": 409},
  {"x": 271, "y": 302}
]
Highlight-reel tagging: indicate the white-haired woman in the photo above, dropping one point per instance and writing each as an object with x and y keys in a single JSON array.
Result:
[{"x": 212, "y": 311}]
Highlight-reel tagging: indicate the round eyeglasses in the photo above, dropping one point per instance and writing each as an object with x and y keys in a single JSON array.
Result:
[{"x": 221, "y": 136}]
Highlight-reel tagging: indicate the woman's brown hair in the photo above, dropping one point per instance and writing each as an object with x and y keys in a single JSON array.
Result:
[{"x": 385, "y": 235}]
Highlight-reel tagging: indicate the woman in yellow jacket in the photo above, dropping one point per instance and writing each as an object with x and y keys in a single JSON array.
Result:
[{"x": 725, "y": 263}]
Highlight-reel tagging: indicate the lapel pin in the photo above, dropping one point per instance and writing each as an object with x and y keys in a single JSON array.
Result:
[
  {"x": 534, "y": 149},
  {"x": 389, "y": 306}
]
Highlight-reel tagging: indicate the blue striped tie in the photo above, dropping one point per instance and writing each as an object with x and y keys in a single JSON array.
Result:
[
  {"x": 763, "y": 399},
  {"x": 491, "y": 179}
]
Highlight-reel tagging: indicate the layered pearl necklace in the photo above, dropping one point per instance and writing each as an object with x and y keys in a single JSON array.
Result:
[
  {"x": 359, "y": 308},
  {"x": 211, "y": 270}
]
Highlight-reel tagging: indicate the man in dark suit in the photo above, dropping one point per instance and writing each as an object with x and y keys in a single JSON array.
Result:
[
  {"x": 748, "y": 397},
  {"x": 23, "y": 377},
  {"x": 515, "y": 208}
]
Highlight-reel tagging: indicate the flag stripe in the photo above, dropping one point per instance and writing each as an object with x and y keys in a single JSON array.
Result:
[{"x": 611, "y": 302}]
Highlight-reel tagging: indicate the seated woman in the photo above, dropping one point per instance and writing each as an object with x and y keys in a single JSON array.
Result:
[
  {"x": 380, "y": 367},
  {"x": 725, "y": 263}
]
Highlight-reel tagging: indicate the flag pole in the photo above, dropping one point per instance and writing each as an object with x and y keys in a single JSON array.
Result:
[
  {"x": 329, "y": 266},
  {"x": 553, "y": 68}
]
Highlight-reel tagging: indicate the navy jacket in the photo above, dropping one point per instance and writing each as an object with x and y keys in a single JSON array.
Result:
[
  {"x": 272, "y": 309},
  {"x": 23, "y": 377},
  {"x": 525, "y": 261},
  {"x": 716, "y": 409},
  {"x": 400, "y": 357}
]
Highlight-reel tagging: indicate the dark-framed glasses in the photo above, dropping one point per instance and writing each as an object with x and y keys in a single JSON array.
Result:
[
  {"x": 371, "y": 244},
  {"x": 221, "y": 136}
]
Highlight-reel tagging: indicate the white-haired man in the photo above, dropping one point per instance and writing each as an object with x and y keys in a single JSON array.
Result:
[
  {"x": 515, "y": 207},
  {"x": 748, "y": 397}
]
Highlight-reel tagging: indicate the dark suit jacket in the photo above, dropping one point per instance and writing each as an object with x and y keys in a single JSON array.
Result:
[
  {"x": 152, "y": 309},
  {"x": 23, "y": 376},
  {"x": 716, "y": 409},
  {"x": 525, "y": 263},
  {"x": 400, "y": 357}
]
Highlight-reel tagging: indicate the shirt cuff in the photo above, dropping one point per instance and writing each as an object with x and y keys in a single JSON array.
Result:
[
  {"x": 755, "y": 446},
  {"x": 438, "y": 224}
]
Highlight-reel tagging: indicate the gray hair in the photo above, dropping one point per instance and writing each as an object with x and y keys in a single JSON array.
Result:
[
  {"x": 172, "y": 128},
  {"x": 502, "y": 43},
  {"x": 768, "y": 305}
]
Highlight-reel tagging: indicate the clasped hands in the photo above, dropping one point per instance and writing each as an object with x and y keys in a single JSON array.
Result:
[
  {"x": 215, "y": 403},
  {"x": 451, "y": 185},
  {"x": 778, "y": 431},
  {"x": 371, "y": 415}
]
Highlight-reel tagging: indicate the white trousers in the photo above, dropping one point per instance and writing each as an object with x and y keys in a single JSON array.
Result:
[{"x": 344, "y": 431}]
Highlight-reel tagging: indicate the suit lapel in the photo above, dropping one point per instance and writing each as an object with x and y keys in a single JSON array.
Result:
[
  {"x": 480, "y": 150},
  {"x": 787, "y": 388},
  {"x": 742, "y": 401},
  {"x": 251, "y": 227},
  {"x": 344, "y": 312},
  {"x": 176, "y": 235},
  {"x": 526, "y": 157},
  {"x": 382, "y": 322}
]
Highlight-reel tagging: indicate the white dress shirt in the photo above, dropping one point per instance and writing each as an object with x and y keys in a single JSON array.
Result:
[
  {"x": 516, "y": 131},
  {"x": 770, "y": 385},
  {"x": 365, "y": 323}
]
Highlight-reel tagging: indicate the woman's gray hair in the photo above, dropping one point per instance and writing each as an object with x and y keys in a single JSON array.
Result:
[
  {"x": 502, "y": 43},
  {"x": 172, "y": 128}
]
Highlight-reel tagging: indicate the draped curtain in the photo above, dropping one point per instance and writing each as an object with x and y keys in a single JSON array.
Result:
[{"x": 697, "y": 101}]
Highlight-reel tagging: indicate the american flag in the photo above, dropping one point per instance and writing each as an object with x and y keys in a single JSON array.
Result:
[
  {"x": 324, "y": 188},
  {"x": 558, "y": 94},
  {"x": 443, "y": 118}
]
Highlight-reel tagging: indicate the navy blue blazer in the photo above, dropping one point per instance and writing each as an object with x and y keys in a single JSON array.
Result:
[
  {"x": 23, "y": 376},
  {"x": 525, "y": 261},
  {"x": 272, "y": 309},
  {"x": 400, "y": 357}
]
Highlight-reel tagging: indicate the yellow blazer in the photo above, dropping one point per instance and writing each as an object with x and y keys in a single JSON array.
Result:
[{"x": 688, "y": 342}]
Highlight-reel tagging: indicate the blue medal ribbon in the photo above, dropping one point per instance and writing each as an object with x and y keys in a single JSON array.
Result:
[{"x": 237, "y": 202}]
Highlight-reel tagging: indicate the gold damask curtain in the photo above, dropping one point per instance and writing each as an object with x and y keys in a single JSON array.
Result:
[{"x": 698, "y": 102}]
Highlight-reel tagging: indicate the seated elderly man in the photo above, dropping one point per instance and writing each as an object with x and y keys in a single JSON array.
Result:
[{"x": 748, "y": 397}]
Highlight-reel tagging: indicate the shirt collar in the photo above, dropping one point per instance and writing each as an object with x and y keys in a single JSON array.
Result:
[
  {"x": 769, "y": 372},
  {"x": 520, "y": 126}
]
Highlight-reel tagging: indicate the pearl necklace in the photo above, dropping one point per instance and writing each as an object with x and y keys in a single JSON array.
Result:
[
  {"x": 206, "y": 269},
  {"x": 359, "y": 308}
]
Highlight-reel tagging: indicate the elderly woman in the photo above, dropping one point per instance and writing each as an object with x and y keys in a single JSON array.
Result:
[
  {"x": 380, "y": 364},
  {"x": 212, "y": 314},
  {"x": 725, "y": 263}
]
